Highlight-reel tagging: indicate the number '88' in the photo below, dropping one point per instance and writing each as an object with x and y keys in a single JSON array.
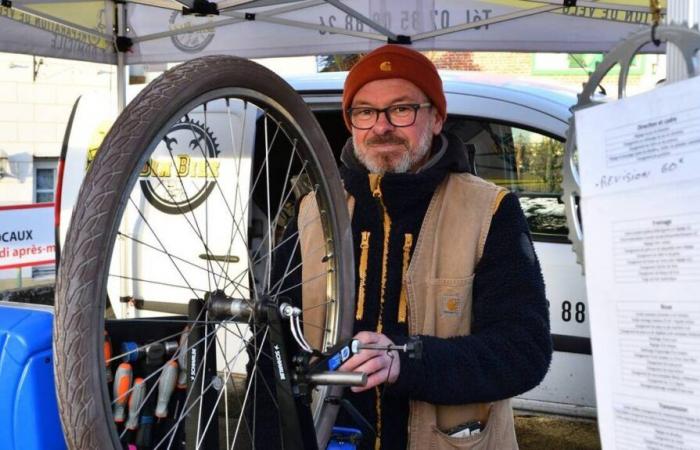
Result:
[{"x": 579, "y": 312}]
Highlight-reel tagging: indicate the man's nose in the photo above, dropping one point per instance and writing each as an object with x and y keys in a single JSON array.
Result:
[{"x": 383, "y": 125}]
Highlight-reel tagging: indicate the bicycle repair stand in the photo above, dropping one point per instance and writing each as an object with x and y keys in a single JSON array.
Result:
[{"x": 295, "y": 373}]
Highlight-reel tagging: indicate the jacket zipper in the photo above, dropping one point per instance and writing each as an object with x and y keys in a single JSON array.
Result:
[
  {"x": 403, "y": 299},
  {"x": 375, "y": 186},
  {"x": 364, "y": 254}
]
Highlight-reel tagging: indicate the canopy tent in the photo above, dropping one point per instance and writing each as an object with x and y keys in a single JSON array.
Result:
[{"x": 154, "y": 31}]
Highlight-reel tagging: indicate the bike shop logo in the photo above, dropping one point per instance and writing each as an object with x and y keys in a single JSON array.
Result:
[
  {"x": 183, "y": 169},
  {"x": 194, "y": 41}
]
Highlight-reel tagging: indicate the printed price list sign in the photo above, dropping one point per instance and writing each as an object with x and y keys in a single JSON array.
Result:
[
  {"x": 658, "y": 346},
  {"x": 640, "y": 186},
  {"x": 666, "y": 249}
]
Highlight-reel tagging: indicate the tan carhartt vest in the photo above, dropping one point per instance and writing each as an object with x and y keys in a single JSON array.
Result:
[{"x": 439, "y": 284}]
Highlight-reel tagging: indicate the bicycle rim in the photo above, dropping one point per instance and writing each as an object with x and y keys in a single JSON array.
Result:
[{"x": 188, "y": 199}]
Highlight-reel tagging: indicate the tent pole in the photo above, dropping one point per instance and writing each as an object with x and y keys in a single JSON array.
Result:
[
  {"x": 121, "y": 66},
  {"x": 124, "y": 254},
  {"x": 679, "y": 12}
]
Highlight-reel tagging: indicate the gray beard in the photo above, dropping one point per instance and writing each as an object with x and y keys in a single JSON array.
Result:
[{"x": 407, "y": 161}]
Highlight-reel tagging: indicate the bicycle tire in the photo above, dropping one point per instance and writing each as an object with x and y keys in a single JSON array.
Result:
[{"x": 116, "y": 190}]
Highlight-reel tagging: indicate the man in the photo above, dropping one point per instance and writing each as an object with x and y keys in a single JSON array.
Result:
[{"x": 442, "y": 255}]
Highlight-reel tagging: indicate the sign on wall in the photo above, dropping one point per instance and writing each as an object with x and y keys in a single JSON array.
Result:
[{"x": 27, "y": 235}]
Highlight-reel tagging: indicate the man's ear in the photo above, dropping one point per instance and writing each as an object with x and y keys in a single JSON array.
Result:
[{"x": 438, "y": 122}]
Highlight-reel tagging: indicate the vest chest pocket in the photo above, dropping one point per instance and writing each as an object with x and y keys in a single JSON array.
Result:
[{"x": 451, "y": 299}]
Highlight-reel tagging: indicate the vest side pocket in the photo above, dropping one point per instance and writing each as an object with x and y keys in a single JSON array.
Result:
[
  {"x": 450, "y": 299},
  {"x": 479, "y": 441},
  {"x": 490, "y": 438}
]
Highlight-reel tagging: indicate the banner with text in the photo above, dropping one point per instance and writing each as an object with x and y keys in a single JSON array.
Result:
[
  {"x": 71, "y": 29},
  {"x": 82, "y": 29},
  {"x": 324, "y": 29},
  {"x": 27, "y": 235}
]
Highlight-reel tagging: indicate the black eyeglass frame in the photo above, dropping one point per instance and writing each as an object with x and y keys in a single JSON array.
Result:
[{"x": 377, "y": 112}]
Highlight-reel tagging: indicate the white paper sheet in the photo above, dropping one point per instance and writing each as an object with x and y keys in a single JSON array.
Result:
[{"x": 639, "y": 162}]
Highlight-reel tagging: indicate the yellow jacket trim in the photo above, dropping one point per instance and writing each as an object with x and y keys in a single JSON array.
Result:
[
  {"x": 364, "y": 254},
  {"x": 375, "y": 185},
  {"x": 403, "y": 300}
]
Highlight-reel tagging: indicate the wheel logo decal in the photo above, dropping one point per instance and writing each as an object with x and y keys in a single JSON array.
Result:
[{"x": 183, "y": 169}]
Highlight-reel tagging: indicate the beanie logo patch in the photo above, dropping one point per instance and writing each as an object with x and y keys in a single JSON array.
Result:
[{"x": 385, "y": 66}]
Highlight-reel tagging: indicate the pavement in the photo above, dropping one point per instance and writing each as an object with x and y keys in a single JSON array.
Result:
[{"x": 545, "y": 432}]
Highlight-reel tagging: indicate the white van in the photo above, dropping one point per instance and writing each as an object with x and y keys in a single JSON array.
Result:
[{"x": 514, "y": 133}]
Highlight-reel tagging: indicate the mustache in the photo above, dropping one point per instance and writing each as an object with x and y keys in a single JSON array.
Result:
[{"x": 386, "y": 139}]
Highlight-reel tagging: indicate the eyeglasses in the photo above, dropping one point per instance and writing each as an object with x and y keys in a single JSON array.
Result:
[{"x": 403, "y": 115}]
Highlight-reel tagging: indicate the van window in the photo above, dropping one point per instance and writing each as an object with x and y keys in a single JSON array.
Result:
[{"x": 526, "y": 162}]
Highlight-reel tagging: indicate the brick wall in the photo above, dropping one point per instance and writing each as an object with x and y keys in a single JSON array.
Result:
[
  {"x": 521, "y": 65},
  {"x": 40, "y": 108},
  {"x": 510, "y": 63},
  {"x": 35, "y": 112},
  {"x": 33, "y": 118}
]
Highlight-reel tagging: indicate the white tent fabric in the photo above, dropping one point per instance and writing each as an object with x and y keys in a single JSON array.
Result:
[{"x": 159, "y": 32}]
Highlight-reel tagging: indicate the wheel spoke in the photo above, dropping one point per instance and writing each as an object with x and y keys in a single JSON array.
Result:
[
  {"x": 171, "y": 255},
  {"x": 159, "y": 283}
]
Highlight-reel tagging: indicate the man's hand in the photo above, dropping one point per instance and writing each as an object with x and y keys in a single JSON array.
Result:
[{"x": 379, "y": 365}]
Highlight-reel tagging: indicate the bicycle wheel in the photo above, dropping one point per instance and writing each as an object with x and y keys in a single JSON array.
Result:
[{"x": 186, "y": 201}]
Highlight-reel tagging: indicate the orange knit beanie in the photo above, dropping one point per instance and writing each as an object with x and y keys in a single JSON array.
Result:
[{"x": 395, "y": 61}]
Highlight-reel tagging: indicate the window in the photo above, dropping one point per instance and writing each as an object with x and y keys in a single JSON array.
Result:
[
  {"x": 528, "y": 163},
  {"x": 44, "y": 181}
]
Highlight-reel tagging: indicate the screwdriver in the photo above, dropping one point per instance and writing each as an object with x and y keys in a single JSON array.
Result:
[
  {"x": 155, "y": 351},
  {"x": 414, "y": 347},
  {"x": 138, "y": 393},
  {"x": 166, "y": 385},
  {"x": 122, "y": 384},
  {"x": 144, "y": 435},
  {"x": 361, "y": 346},
  {"x": 342, "y": 352}
]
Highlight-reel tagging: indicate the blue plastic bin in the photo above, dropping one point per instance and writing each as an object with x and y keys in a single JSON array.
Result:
[{"x": 28, "y": 409}]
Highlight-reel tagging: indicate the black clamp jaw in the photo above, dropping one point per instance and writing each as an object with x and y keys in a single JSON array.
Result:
[
  {"x": 400, "y": 39},
  {"x": 414, "y": 348},
  {"x": 123, "y": 44},
  {"x": 302, "y": 389}
]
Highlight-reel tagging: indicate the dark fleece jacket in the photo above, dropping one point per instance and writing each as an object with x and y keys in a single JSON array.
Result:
[{"x": 509, "y": 349}]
